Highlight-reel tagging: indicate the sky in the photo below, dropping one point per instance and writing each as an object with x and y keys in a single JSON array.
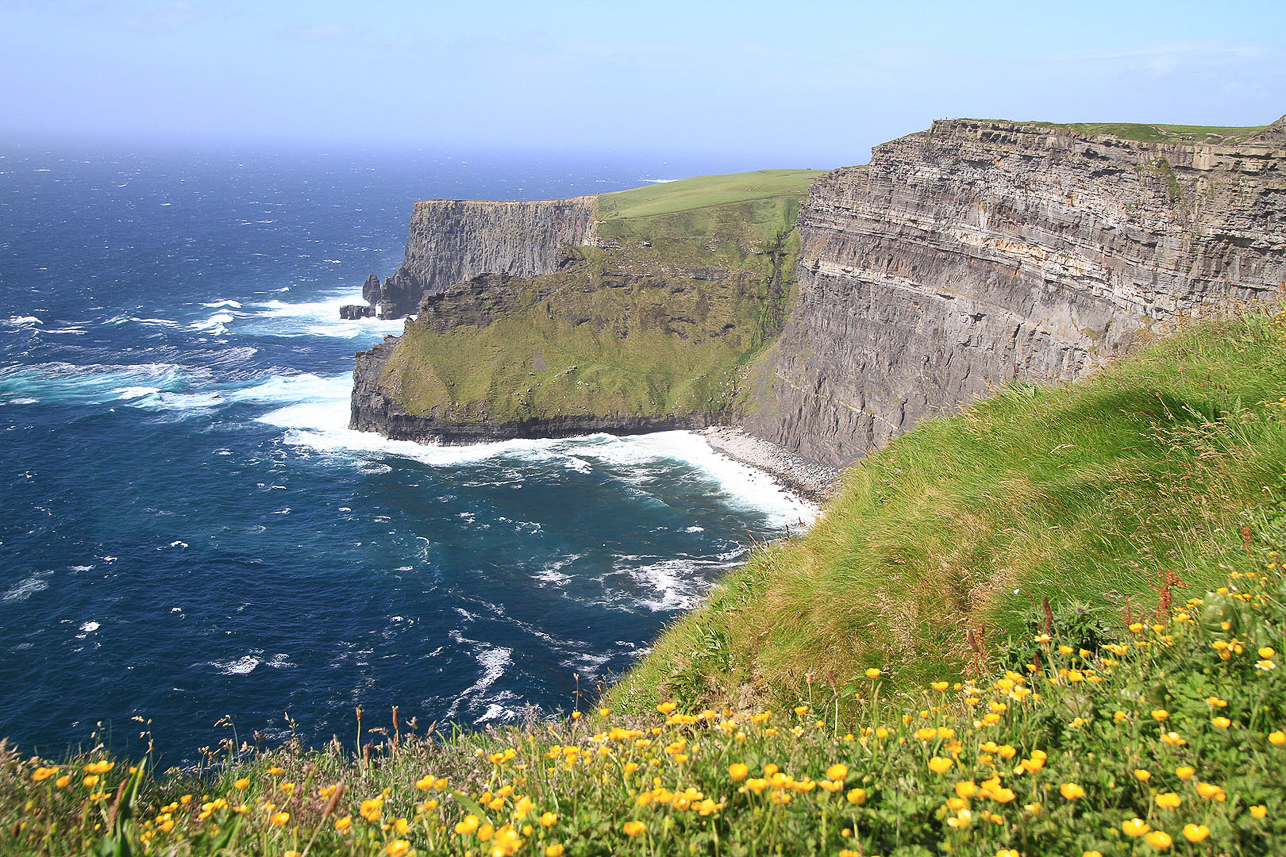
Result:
[{"x": 771, "y": 84}]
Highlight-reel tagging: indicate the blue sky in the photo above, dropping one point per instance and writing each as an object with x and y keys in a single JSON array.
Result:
[{"x": 758, "y": 83}]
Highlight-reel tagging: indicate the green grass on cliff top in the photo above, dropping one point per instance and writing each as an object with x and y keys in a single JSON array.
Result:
[
  {"x": 703, "y": 191},
  {"x": 1082, "y": 493},
  {"x": 1212, "y": 134}
]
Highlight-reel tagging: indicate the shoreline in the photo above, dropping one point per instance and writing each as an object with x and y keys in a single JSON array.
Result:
[{"x": 802, "y": 476}]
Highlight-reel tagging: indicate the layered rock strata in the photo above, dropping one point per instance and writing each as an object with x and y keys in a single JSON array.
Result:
[
  {"x": 452, "y": 240},
  {"x": 977, "y": 252}
]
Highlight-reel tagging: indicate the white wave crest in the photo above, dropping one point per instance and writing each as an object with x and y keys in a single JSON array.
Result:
[
  {"x": 21, "y": 321},
  {"x": 318, "y": 318},
  {"x": 24, "y": 589}
]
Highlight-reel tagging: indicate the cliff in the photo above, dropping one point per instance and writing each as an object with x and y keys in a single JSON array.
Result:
[
  {"x": 650, "y": 326},
  {"x": 981, "y": 251},
  {"x": 961, "y": 257},
  {"x": 452, "y": 240}
]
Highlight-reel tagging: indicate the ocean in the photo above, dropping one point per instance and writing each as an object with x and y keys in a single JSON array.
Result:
[{"x": 192, "y": 537}]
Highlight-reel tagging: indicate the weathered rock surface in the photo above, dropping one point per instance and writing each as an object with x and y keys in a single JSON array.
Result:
[
  {"x": 976, "y": 252},
  {"x": 352, "y": 312},
  {"x": 452, "y": 240}
]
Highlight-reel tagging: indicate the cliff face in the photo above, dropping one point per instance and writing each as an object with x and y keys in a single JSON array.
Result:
[
  {"x": 453, "y": 240},
  {"x": 978, "y": 251}
]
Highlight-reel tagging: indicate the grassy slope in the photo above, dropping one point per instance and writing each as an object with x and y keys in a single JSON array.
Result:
[
  {"x": 649, "y": 330},
  {"x": 1080, "y": 492},
  {"x": 1165, "y": 736}
]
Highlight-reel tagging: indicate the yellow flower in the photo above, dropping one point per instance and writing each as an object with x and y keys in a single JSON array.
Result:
[
  {"x": 41, "y": 774},
  {"x": 1209, "y": 791},
  {"x": 342, "y": 824},
  {"x": 279, "y": 819},
  {"x": 1278, "y": 737},
  {"x": 372, "y": 809},
  {"x": 1259, "y": 811},
  {"x": 1091, "y": 854},
  {"x": 548, "y": 819},
  {"x": 966, "y": 789},
  {"x": 801, "y": 710},
  {"x": 738, "y": 771},
  {"x": 397, "y": 848},
  {"x": 1221, "y": 722},
  {"x": 555, "y": 850},
  {"x": 1071, "y": 791},
  {"x": 873, "y": 672},
  {"x": 63, "y": 781},
  {"x": 242, "y": 784},
  {"x": 837, "y": 772},
  {"x": 667, "y": 707},
  {"x": 1142, "y": 776},
  {"x": 939, "y": 685},
  {"x": 1195, "y": 832},
  {"x": 99, "y": 767},
  {"x": 1266, "y": 652},
  {"x": 1173, "y": 739},
  {"x": 1168, "y": 800},
  {"x": 91, "y": 780},
  {"x": 1159, "y": 839},
  {"x": 467, "y": 826},
  {"x": 940, "y": 765},
  {"x": 1159, "y": 714},
  {"x": 426, "y": 782},
  {"x": 634, "y": 828},
  {"x": 857, "y": 797},
  {"x": 1184, "y": 772},
  {"x": 1216, "y": 702},
  {"x": 1135, "y": 827},
  {"x": 603, "y": 712}
]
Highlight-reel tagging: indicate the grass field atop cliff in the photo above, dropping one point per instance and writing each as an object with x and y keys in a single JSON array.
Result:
[
  {"x": 1083, "y": 493},
  {"x": 1150, "y": 721},
  {"x": 704, "y": 191},
  {"x": 1210, "y": 134}
]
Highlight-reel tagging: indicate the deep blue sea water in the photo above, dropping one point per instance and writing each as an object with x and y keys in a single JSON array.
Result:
[{"x": 189, "y": 531}]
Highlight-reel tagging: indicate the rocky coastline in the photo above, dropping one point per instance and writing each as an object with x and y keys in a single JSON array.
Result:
[{"x": 802, "y": 476}]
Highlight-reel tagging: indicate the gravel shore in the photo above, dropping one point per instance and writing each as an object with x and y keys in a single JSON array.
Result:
[{"x": 800, "y": 475}]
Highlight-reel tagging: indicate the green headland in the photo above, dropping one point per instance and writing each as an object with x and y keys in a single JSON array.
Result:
[{"x": 690, "y": 281}]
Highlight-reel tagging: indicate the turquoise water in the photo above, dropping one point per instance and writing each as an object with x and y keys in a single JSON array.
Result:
[{"x": 190, "y": 531}]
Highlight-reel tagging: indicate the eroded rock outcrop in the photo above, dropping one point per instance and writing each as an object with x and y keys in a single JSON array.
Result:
[
  {"x": 977, "y": 252},
  {"x": 452, "y": 240}
]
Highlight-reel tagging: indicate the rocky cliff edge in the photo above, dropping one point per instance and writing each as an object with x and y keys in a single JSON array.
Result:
[{"x": 981, "y": 251}]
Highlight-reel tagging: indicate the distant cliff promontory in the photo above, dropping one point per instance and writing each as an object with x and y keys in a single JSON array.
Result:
[
  {"x": 451, "y": 240},
  {"x": 962, "y": 257}
]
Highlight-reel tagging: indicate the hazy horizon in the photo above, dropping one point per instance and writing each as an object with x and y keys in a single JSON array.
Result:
[{"x": 727, "y": 86}]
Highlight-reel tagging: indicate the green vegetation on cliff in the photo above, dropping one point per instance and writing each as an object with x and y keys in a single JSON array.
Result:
[
  {"x": 1214, "y": 135},
  {"x": 690, "y": 281},
  {"x": 1148, "y": 719}
]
